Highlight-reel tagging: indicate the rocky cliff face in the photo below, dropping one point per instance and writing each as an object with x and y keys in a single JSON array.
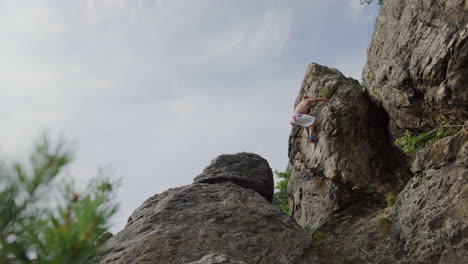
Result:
[
  {"x": 223, "y": 217},
  {"x": 430, "y": 218},
  {"x": 417, "y": 66},
  {"x": 345, "y": 167},
  {"x": 416, "y": 74},
  {"x": 365, "y": 200}
]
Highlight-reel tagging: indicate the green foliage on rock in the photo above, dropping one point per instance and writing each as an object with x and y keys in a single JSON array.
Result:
[
  {"x": 308, "y": 229},
  {"x": 411, "y": 142},
  {"x": 326, "y": 92},
  {"x": 317, "y": 237},
  {"x": 390, "y": 199},
  {"x": 280, "y": 198},
  {"x": 362, "y": 85},
  {"x": 44, "y": 221},
  {"x": 379, "y": 2}
]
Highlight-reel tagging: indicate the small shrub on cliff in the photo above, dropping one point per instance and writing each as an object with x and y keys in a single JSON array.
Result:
[
  {"x": 280, "y": 198},
  {"x": 390, "y": 199},
  {"x": 402, "y": 179},
  {"x": 317, "y": 237},
  {"x": 411, "y": 142},
  {"x": 41, "y": 223}
]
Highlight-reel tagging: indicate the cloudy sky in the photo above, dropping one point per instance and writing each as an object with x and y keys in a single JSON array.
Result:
[{"x": 156, "y": 89}]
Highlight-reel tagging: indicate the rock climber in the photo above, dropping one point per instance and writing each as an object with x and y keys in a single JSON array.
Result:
[{"x": 303, "y": 117}]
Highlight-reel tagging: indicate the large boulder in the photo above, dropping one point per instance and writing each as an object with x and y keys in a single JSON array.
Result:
[
  {"x": 417, "y": 66},
  {"x": 351, "y": 162},
  {"x": 218, "y": 221},
  {"x": 244, "y": 169}
]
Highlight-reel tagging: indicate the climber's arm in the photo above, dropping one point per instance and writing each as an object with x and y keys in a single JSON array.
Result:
[{"x": 314, "y": 100}]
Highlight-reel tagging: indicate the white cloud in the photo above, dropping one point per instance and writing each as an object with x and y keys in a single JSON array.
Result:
[{"x": 239, "y": 44}]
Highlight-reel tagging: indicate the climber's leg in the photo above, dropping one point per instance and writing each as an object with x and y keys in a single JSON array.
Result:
[
  {"x": 307, "y": 132},
  {"x": 312, "y": 129},
  {"x": 313, "y": 138}
]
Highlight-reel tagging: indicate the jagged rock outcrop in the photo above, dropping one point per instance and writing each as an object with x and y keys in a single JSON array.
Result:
[
  {"x": 244, "y": 169},
  {"x": 430, "y": 222},
  {"x": 417, "y": 66},
  {"x": 222, "y": 220},
  {"x": 345, "y": 167},
  {"x": 417, "y": 73}
]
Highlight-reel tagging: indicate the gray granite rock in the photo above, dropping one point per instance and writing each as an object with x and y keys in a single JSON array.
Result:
[
  {"x": 430, "y": 224},
  {"x": 417, "y": 66},
  {"x": 214, "y": 258},
  {"x": 186, "y": 224},
  {"x": 248, "y": 170},
  {"x": 345, "y": 167},
  {"x": 417, "y": 71}
]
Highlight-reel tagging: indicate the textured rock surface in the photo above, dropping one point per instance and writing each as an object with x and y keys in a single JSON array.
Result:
[
  {"x": 417, "y": 70},
  {"x": 244, "y": 169},
  {"x": 417, "y": 64},
  {"x": 186, "y": 224},
  {"x": 217, "y": 259},
  {"x": 430, "y": 224},
  {"x": 345, "y": 167}
]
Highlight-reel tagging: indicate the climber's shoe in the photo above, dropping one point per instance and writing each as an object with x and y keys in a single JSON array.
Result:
[{"x": 313, "y": 139}]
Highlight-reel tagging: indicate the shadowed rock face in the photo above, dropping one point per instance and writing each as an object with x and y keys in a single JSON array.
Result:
[
  {"x": 430, "y": 222},
  {"x": 417, "y": 64},
  {"x": 216, "y": 222}
]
